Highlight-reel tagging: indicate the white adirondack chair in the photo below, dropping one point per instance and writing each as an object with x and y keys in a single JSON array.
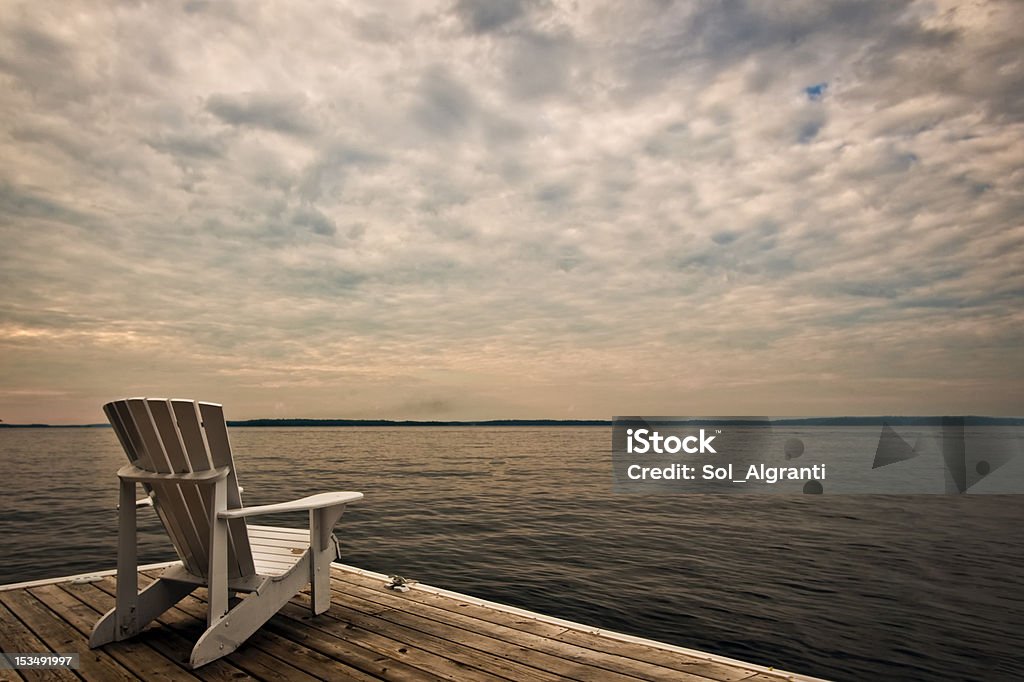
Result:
[{"x": 180, "y": 453}]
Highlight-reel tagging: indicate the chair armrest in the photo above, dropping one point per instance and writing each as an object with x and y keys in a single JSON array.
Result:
[
  {"x": 130, "y": 472},
  {"x": 305, "y": 504}
]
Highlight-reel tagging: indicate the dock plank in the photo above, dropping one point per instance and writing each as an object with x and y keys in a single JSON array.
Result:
[
  {"x": 17, "y": 637},
  {"x": 610, "y": 666},
  {"x": 447, "y": 656},
  {"x": 150, "y": 657},
  {"x": 294, "y": 660},
  {"x": 703, "y": 668},
  {"x": 500, "y": 659},
  {"x": 264, "y": 655},
  {"x": 59, "y": 635},
  {"x": 341, "y": 653},
  {"x": 456, "y": 641},
  {"x": 369, "y": 633},
  {"x": 9, "y": 676},
  {"x": 435, "y": 663},
  {"x": 184, "y": 630}
]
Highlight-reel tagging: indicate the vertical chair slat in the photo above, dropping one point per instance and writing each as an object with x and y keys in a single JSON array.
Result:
[
  {"x": 195, "y": 504},
  {"x": 190, "y": 427},
  {"x": 124, "y": 427},
  {"x": 178, "y": 520},
  {"x": 220, "y": 454}
]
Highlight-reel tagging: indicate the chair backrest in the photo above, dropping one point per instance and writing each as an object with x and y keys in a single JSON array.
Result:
[{"x": 184, "y": 436}]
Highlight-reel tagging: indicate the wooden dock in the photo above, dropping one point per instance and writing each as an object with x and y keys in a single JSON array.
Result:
[{"x": 370, "y": 633}]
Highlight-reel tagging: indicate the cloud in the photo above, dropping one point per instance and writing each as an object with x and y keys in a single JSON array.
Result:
[
  {"x": 514, "y": 209},
  {"x": 445, "y": 107},
  {"x": 315, "y": 220},
  {"x": 277, "y": 112},
  {"x": 484, "y": 16},
  {"x": 539, "y": 64},
  {"x": 180, "y": 146}
]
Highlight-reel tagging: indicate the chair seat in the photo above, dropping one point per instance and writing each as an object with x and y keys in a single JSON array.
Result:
[{"x": 275, "y": 550}]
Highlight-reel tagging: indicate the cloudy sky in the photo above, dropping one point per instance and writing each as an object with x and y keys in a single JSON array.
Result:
[{"x": 512, "y": 208}]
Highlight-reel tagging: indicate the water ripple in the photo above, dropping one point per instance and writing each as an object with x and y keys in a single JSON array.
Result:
[{"x": 850, "y": 588}]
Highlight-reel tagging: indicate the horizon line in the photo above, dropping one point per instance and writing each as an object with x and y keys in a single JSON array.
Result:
[{"x": 263, "y": 422}]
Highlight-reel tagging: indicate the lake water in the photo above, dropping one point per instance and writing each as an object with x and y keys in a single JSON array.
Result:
[{"x": 844, "y": 587}]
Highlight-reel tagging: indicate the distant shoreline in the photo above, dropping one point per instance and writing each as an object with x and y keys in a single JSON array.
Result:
[{"x": 735, "y": 421}]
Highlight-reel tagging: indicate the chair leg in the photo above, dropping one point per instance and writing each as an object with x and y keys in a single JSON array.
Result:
[
  {"x": 122, "y": 621},
  {"x": 322, "y": 551},
  {"x": 105, "y": 630},
  {"x": 320, "y": 586},
  {"x": 231, "y": 630},
  {"x": 159, "y": 596},
  {"x": 217, "y": 570}
]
